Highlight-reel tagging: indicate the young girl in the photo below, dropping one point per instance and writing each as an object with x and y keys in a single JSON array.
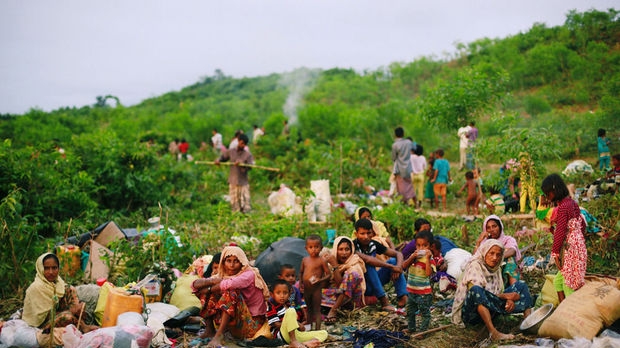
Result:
[
  {"x": 428, "y": 189},
  {"x": 568, "y": 227}
]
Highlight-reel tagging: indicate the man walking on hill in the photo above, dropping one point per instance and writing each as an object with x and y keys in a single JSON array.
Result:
[
  {"x": 463, "y": 134},
  {"x": 401, "y": 156},
  {"x": 216, "y": 141},
  {"x": 238, "y": 185}
]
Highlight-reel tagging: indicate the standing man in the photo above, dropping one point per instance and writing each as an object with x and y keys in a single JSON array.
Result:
[
  {"x": 258, "y": 132},
  {"x": 216, "y": 141},
  {"x": 401, "y": 156},
  {"x": 238, "y": 185},
  {"x": 463, "y": 134}
]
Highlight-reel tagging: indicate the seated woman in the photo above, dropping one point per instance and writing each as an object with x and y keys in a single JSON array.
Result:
[
  {"x": 347, "y": 285},
  {"x": 480, "y": 295},
  {"x": 50, "y": 302},
  {"x": 492, "y": 228},
  {"x": 381, "y": 233},
  {"x": 235, "y": 299}
]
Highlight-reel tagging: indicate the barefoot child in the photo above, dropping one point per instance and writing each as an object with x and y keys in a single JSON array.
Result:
[
  {"x": 282, "y": 319},
  {"x": 314, "y": 273},
  {"x": 296, "y": 300},
  {"x": 473, "y": 192},
  {"x": 421, "y": 265},
  {"x": 441, "y": 178}
]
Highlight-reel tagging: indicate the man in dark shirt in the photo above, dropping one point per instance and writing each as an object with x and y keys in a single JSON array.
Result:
[{"x": 367, "y": 249}]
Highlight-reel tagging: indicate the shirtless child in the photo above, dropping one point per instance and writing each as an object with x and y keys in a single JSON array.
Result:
[
  {"x": 314, "y": 274},
  {"x": 473, "y": 192}
]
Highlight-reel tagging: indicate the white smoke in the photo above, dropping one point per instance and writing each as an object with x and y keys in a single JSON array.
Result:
[{"x": 299, "y": 82}]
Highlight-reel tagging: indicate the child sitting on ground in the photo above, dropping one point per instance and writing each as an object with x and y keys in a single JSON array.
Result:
[
  {"x": 421, "y": 265},
  {"x": 296, "y": 300},
  {"x": 282, "y": 319},
  {"x": 314, "y": 274},
  {"x": 473, "y": 193},
  {"x": 495, "y": 203}
]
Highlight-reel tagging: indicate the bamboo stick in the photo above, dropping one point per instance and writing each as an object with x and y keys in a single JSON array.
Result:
[{"x": 240, "y": 164}]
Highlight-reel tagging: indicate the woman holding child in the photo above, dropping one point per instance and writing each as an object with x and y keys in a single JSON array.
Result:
[
  {"x": 235, "y": 299},
  {"x": 480, "y": 293},
  {"x": 347, "y": 285}
]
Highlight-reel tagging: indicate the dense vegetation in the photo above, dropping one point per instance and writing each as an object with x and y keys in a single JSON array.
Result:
[{"x": 545, "y": 91}]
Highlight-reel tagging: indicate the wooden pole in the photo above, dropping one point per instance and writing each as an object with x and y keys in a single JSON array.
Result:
[{"x": 240, "y": 164}]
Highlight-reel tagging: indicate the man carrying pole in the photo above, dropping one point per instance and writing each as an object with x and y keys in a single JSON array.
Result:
[{"x": 238, "y": 185}]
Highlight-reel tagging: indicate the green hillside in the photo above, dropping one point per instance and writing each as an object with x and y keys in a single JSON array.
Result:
[{"x": 545, "y": 91}]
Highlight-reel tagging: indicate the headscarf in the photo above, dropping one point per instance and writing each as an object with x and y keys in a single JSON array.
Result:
[
  {"x": 259, "y": 282},
  {"x": 477, "y": 272},
  {"x": 508, "y": 241},
  {"x": 353, "y": 264},
  {"x": 40, "y": 295},
  {"x": 377, "y": 226}
]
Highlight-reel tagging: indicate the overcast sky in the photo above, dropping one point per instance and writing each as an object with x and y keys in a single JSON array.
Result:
[{"x": 66, "y": 52}]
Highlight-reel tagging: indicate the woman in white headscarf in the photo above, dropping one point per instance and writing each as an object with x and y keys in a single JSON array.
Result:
[
  {"x": 493, "y": 228},
  {"x": 480, "y": 293},
  {"x": 236, "y": 299}
]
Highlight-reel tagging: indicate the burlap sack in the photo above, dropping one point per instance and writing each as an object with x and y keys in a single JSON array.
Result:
[{"x": 585, "y": 312}]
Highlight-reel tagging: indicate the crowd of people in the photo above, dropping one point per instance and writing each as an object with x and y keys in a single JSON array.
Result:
[{"x": 352, "y": 274}]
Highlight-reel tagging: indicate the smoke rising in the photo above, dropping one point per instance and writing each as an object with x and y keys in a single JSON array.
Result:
[{"x": 299, "y": 82}]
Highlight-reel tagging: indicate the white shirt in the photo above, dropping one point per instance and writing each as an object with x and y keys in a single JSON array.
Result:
[
  {"x": 463, "y": 134},
  {"x": 418, "y": 164},
  {"x": 216, "y": 140}
]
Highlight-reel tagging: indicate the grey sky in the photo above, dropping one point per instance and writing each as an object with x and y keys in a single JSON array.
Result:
[{"x": 67, "y": 52}]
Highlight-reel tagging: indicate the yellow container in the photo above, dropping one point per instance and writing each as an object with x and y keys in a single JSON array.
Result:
[
  {"x": 69, "y": 257},
  {"x": 120, "y": 302}
]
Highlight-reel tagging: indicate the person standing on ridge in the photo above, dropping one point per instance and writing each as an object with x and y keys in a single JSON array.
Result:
[{"x": 401, "y": 156}]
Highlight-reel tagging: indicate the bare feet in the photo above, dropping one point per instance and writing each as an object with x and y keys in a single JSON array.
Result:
[
  {"x": 498, "y": 336},
  {"x": 215, "y": 342},
  {"x": 296, "y": 344},
  {"x": 313, "y": 343}
]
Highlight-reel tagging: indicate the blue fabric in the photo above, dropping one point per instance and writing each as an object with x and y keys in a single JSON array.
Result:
[
  {"x": 376, "y": 279},
  {"x": 479, "y": 296},
  {"x": 442, "y": 166},
  {"x": 446, "y": 244},
  {"x": 379, "y": 338},
  {"x": 400, "y": 284},
  {"x": 373, "y": 283},
  {"x": 420, "y": 303}
]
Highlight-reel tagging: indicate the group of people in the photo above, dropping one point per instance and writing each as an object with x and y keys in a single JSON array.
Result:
[
  {"x": 409, "y": 170},
  {"x": 236, "y": 299}
]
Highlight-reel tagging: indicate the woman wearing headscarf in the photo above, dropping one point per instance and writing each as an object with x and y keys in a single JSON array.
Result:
[
  {"x": 493, "y": 228},
  {"x": 480, "y": 293},
  {"x": 347, "y": 284},
  {"x": 381, "y": 233},
  {"x": 50, "y": 302},
  {"x": 235, "y": 301}
]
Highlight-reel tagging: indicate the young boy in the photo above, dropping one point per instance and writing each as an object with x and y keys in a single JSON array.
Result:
[
  {"x": 282, "y": 319},
  {"x": 441, "y": 178},
  {"x": 495, "y": 202},
  {"x": 473, "y": 193},
  {"x": 367, "y": 249},
  {"x": 421, "y": 265},
  {"x": 314, "y": 274},
  {"x": 296, "y": 300}
]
